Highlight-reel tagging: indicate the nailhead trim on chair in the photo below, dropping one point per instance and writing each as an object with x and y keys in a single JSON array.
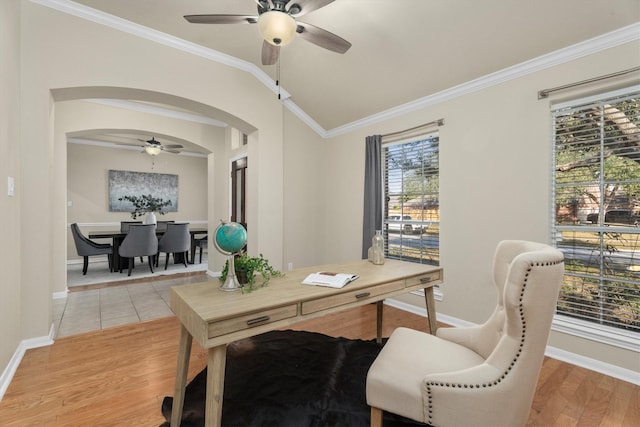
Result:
[{"x": 430, "y": 384}]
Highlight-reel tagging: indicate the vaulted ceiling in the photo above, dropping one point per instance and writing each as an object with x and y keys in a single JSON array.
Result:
[{"x": 402, "y": 50}]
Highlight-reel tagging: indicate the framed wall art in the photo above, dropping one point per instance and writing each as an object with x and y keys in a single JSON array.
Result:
[{"x": 128, "y": 183}]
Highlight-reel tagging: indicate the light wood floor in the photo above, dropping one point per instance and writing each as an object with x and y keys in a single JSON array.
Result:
[{"x": 119, "y": 376}]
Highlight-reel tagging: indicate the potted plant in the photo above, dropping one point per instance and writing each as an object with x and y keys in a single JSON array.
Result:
[
  {"x": 247, "y": 267},
  {"x": 146, "y": 204}
]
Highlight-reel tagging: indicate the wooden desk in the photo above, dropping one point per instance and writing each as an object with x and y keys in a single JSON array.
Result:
[
  {"x": 216, "y": 318},
  {"x": 118, "y": 236}
]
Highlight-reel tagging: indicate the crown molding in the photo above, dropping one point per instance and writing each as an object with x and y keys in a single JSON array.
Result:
[
  {"x": 579, "y": 50},
  {"x": 561, "y": 56},
  {"x": 138, "y": 148},
  {"x": 102, "y": 18},
  {"x": 158, "y": 111}
]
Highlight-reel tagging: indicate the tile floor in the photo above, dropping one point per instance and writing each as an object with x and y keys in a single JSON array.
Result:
[{"x": 117, "y": 304}]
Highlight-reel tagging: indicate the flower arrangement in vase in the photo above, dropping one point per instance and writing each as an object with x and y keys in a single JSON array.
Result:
[{"x": 146, "y": 204}]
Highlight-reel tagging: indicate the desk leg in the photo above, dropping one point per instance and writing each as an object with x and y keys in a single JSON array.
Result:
[
  {"x": 184, "y": 352},
  {"x": 431, "y": 309},
  {"x": 379, "y": 308},
  {"x": 217, "y": 358}
]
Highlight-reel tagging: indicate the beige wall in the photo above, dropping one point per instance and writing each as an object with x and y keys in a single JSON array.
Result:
[
  {"x": 494, "y": 184},
  {"x": 305, "y": 193},
  {"x": 88, "y": 187},
  {"x": 10, "y": 284},
  {"x": 66, "y": 59},
  {"x": 88, "y": 165}
]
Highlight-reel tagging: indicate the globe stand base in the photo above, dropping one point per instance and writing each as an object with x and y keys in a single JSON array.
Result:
[{"x": 231, "y": 282}]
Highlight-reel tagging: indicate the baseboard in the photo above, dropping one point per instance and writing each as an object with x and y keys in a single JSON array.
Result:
[
  {"x": 616, "y": 372},
  {"x": 555, "y": 353},
  {"x": 24, "y": 345},
  {"x": 60, "y": 295}
]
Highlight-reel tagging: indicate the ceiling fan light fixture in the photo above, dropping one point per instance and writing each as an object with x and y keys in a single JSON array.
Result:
[
  {"x": 277, "y": 28},
  {"x": 152, "y": 150}
]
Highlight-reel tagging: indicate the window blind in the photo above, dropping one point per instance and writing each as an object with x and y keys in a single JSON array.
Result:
[
  {"x": 411, "y": 199},
  {"x": 596, "y": 215}
]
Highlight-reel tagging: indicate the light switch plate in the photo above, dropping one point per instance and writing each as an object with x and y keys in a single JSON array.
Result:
[{"x": 11, "y": 186}]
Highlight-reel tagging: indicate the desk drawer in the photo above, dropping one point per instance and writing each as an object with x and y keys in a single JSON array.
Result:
[
  {"x": 250, "y": 320},
  {"x": 424, "y": 279},
  {"x": 320, "y": 304}
]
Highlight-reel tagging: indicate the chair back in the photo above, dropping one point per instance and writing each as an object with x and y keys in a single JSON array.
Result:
[
  {"x": 162, "y": 225},
  {"x": 124, "y": 225},
  {"x": 175, "y": 239},
  {"x": 141, "y": 240},
  {"x": 513, "y": 340},
  {"x": 84, "y": 246}
]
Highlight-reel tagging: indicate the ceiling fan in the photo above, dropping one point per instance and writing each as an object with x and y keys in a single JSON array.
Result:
[
  {"x": 277, "y": 22},
  {"x": 154, "y": 147}
]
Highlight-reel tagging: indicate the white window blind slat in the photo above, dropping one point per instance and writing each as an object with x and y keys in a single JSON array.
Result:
[
  {"x": 596, "y": 219},
  {"x": 411, "y": 194}
]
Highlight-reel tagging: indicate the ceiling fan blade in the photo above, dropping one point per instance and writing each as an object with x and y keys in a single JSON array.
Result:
[
  {"x": 173, "y": 146},
  {"x": 221, "y": 19},
  {"x": 322, "y": 38},
  {"x": 129, "y": 145},
  {"x": 308, "y": 6},
  {"x": 172, "y": 151},
  {"x": 270, "y": 53}
]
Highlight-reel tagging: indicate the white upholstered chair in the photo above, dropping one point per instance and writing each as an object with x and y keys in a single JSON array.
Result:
[{"x": 484, "y": 375}]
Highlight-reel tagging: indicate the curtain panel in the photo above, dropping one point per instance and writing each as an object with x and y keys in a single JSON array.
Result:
[{"x": 373, "y": 206}]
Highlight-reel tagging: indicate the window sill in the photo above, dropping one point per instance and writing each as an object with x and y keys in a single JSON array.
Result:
[{"x": 592, "y": 331}]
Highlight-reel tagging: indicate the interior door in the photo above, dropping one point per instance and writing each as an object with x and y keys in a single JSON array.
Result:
[{"x": 238, "y": 191}]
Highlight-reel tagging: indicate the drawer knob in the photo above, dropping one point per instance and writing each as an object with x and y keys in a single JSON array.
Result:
[
  {"x": 425, "y": 279},
  {"x": 363, "y": 295},
  {"x": 257, "y": 320}
]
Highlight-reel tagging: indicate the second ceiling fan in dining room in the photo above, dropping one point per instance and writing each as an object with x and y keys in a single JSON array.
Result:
[
  {"x": 154, "y": 147},
  {"x": 278, "y": 24}
]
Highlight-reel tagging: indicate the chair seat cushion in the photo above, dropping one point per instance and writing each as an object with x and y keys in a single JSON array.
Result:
[{"x": 395, "y": 379}]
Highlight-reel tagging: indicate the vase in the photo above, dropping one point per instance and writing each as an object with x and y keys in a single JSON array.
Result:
[
  {"x": 377, "y": 246},
  {"x": 243, "y": 277},
  {"x": 151, "y": 218}
]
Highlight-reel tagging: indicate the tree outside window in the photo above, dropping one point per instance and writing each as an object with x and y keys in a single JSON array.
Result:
[{"x": 597, "y": 210}]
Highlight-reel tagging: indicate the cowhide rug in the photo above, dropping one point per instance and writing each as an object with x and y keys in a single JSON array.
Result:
[{"x": 290, "y": 379}]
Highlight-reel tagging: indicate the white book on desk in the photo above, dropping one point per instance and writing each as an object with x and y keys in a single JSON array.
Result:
[{"x": 332, "y": 280}]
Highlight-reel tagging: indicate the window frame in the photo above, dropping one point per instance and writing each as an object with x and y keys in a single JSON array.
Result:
[
  {"x": 403, "y": 225},
  {"x": 619, "y": 337}
]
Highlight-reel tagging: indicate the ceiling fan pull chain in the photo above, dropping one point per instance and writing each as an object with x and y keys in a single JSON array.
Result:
[{"x": 278, "y": 77}]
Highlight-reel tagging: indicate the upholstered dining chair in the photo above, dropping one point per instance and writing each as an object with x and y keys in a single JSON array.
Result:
[
  {"x": 176, "y": 240},
  {"x": 124, "y": 228},
  {"x": 483, "y": 375},
  {"x": 124, "y": 225},
  {"x": 141, "y": 241},
  {"x": 201, "y": 243},
  {"x": 86, "y": 248},
  {"x": 162, "y": 225}
]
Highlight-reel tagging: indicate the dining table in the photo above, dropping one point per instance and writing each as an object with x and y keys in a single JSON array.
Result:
[{"x": 117, "y": 236}]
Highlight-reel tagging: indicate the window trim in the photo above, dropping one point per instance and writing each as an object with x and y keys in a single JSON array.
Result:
[
  {"x": 421, "y": 136},
  {"x": 594, "y": 331}
]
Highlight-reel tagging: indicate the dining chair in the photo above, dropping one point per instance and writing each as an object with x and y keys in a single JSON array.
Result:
[
  {"x": 176, "y": 240},
  {"x": 201, "y": 243},
  {"x": 124, "y": 225},
  {"x": 141, "y": 241},
  {"x": 161, "y": 226},
  {"x": 86, "y": 248},
  {"x": 483, "y": 375},
  {"x": 124, "y": 228}
]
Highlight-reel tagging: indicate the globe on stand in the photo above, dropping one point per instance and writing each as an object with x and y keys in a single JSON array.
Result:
[{"x": 229, "y": 239}]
